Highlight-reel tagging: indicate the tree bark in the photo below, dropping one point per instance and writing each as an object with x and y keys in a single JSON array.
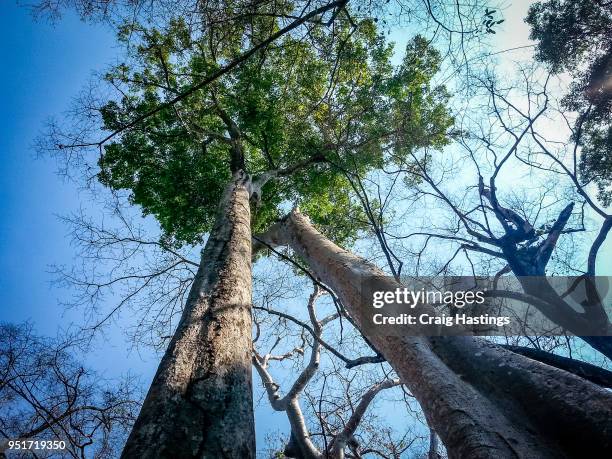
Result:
[
  {"x": 433, "y": 445},
  {"x": 585, "y": 370},
  {"x": 200, "y": 403},
  {"x": 482, "y": 400}
]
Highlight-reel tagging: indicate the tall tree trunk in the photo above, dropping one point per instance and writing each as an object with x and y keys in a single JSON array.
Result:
[
  {"x": 482, "y": 400},
  {"x": 200, "y": 403}
]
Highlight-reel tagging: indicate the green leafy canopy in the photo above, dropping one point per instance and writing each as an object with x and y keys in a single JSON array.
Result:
[
  {"x": 575, "y": 36},
  {"x": 333, "y": 101}
]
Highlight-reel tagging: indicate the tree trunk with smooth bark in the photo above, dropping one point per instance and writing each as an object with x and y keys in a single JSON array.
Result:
[
  {"x": 200, "y": 403},
  {"x": 482, "y": 400},
  {"x": 593, "y": 373}
]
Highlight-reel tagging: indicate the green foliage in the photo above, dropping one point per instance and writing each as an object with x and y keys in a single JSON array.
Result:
[
  {"x": 569, "y": 31},
  {"x": 575, "y": 36},
  {"x": 596, "y": 162},
  {"x": 334, "y": 100}
]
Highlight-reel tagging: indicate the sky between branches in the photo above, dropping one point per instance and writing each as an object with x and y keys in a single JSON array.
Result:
[{"x": 44, "y": 68}]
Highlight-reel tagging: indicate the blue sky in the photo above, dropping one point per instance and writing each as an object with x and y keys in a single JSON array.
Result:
[{"x": 44, "y": 68}]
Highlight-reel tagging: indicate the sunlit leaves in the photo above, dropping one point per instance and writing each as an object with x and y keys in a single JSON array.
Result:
[{"x": 335, "y": 96}]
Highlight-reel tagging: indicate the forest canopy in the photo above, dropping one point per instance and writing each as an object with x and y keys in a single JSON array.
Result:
[
  {"x": 255, "y": 167},
  {"x": 336, "y": 102}
]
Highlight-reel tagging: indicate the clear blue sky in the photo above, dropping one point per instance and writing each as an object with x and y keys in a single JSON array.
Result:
[{"x": 44, "y": 67}]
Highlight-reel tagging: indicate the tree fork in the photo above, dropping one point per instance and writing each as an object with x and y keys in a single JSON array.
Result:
[
  {"x": 475, "y": 411},
  {"x": 200, "y": 403}
]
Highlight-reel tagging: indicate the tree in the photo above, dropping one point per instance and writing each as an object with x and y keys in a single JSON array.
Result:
[
  {"x": 520, "y": 234},
  {"x": 338, "y": 436},
  {"x": 271, "y": 134},
  {"x": 222, "y": 19},
  {"x": 45, "y": 393},
  {"x": 265, "y": 134},
  {"x": 574, "y": 36},
  {"x": 475, "y": 416}
]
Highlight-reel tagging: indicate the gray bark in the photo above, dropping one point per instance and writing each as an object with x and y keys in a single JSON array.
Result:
[
  {"x": 342, "y": 439},
  {"x": 300, "y": 445},
  {"x": 585, "y": 370},
  {"x": 482, "y": 400},
  {"x": 200, "y": 402},
  {"x": 433, "y": 445}
]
